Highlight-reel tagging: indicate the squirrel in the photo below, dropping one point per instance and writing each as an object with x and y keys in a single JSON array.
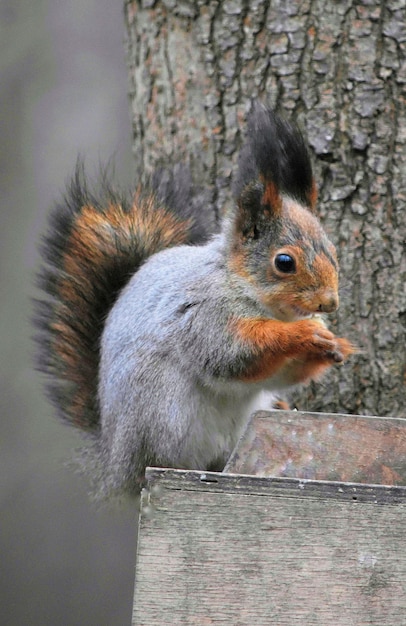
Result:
[{"x": 157, "y": 335}]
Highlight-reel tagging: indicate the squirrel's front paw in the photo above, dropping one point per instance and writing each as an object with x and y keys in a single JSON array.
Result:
[
  {"x": 345, "y": 348},
  {"x": 321, "y": 342}
]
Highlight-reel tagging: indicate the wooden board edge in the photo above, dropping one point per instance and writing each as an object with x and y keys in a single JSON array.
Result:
[{"x": 194, "y": 480}]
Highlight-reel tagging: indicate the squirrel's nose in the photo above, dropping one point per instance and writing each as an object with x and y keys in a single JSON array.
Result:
[{"x": 328, "y": 302}]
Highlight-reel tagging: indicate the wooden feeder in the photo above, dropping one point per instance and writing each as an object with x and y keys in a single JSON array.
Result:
[{"x": 306, "y": 526}]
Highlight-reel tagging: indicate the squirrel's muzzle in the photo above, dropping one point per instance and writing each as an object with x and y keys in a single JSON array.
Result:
[{"x": 328, "y": 302}]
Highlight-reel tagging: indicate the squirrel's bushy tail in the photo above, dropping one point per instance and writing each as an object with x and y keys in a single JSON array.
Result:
[{"x": 94, "y": 245}]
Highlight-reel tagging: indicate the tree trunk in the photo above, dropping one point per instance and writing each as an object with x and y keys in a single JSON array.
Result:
[{"x": 339, "y": 70}]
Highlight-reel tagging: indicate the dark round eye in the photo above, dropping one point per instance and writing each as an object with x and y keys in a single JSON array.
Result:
[{"x": 285, "y": 263}]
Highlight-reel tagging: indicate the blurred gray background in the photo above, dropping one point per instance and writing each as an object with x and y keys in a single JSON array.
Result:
[{"x": 63, "y": 91}]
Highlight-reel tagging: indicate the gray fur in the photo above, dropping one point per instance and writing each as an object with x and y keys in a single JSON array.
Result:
[{"x": 167, "y": 361}]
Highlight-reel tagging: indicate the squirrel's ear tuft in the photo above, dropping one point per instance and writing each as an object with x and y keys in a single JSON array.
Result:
[
  {"x": 249, "y": 211},
  {"x": 275, "y": 154}
]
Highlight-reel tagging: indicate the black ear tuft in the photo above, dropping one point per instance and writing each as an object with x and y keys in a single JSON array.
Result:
[{"x": 275, "y": 152}]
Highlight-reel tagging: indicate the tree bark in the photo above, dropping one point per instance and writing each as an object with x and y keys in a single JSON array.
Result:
[{"x": 339, "y": 70}]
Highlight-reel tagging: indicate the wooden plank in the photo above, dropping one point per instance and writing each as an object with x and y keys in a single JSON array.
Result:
[
  {"x": 241, "y": 550},
  {"x": 323, "y": 447}
]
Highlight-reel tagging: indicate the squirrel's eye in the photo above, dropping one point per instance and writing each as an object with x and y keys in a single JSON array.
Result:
[{"x": 285, "y": 263}]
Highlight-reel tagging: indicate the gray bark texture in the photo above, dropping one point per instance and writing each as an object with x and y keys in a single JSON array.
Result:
[{"x": 339, "y": 70}]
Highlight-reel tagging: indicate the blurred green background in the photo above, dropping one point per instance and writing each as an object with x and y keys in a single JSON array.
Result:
[{"x": 63, "y": 91}]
